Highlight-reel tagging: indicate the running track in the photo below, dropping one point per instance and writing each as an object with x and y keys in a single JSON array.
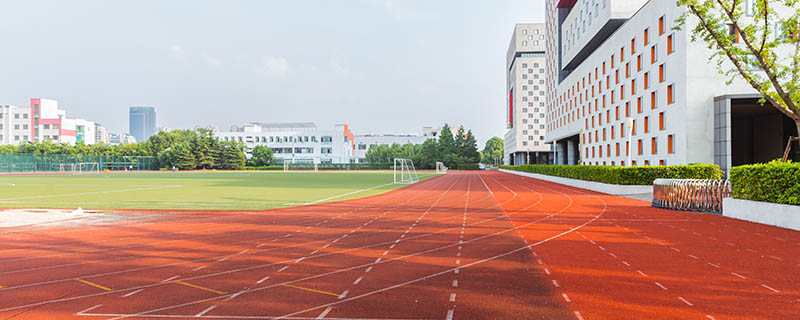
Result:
[{"x": 466, "y": 245}]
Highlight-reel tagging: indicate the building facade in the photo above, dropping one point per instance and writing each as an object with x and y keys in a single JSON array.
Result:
[
  {"x": 14, "y": 125},
  {"x": 625, "y": 88},
  {"x": 526, "y": 100},
  {"x": 43, "y": 121},
  {"x": 142, "y": 122},
  {"x": 365, "y": 141},
  {"x": 296, "y": 142}
]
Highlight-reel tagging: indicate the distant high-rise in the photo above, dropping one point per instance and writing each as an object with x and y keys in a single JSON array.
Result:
[{"x": 142, "y": 123}]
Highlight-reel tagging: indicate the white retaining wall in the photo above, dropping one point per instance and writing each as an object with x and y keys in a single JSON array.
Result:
[{"x": 779, "y": 215}]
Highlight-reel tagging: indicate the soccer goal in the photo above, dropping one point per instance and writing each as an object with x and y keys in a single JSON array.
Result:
[
  {"x": 404, "y": 171},
  {"x": 440, "y": 168},
  {"x": 289, "y": 166},
  {"x": 87, "y": 167}
]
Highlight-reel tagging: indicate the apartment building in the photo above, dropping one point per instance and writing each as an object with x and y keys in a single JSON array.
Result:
[
  {"x": 624, "y": 88},
  {"x": 296, "y": 142},
  {"x": 525, "y": 101},
  {"x": 14, "y": 124}
]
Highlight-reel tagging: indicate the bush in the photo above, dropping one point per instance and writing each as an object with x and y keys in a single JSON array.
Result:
[
  {"x": 623, "y": 175},
  {"x": 263, "y": 168},
  {"x": 469, "y": 166},
  {"x": 775, "y": 182}
]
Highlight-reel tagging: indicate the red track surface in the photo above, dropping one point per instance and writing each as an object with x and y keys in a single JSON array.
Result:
[{"x": 482, "y": 245}]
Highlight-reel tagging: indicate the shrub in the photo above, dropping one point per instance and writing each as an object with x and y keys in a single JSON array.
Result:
[
  {"x": 469, "y": 166},
  {"x": 263, "y": 168},
  {"x": 776, "y": 182},
  {"x": 623, "y": 175}
]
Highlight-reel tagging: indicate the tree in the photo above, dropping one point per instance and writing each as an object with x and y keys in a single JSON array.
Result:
[
  {"x": 203, "y": 147},
  {"x": 182, "y": 157},
  {"x": 232, "y": 155},
  {"x": 764, "y": 49},
  {"x": 470, "y": 149},
  {"x": 460, "y": 142},
  {"x": 447, "y": 147},
  {"x": 493, "y": 150},
  {"x": 261, "y": 156}
]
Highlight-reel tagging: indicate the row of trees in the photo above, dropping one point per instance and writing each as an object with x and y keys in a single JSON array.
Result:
[
  {"x": 183, "y": 149},
  {"x": 453, "y": 150}
]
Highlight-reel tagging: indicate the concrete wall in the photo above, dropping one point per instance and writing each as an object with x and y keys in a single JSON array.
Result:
[{"x": 779, "y": 215}]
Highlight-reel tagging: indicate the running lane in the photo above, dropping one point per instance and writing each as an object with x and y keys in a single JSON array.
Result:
[{"x": 466, "y": 245}]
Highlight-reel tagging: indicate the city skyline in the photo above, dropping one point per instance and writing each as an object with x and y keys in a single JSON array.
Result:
[{"x": 191, "y": 74}]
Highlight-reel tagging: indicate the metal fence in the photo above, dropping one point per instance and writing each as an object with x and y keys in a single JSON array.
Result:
[
  {"x": 33, "y": 163},
  {"x": 690, "y": 194}
]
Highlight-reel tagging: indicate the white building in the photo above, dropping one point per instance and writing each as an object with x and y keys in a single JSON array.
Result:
[
  {"x": 296, "y": 142},
  {"x": 100, "y": 134},
  {"x": 524, "y": 141},
  {"x": 365, "y": 141},
  {"x": 120, "y": 138},
  {"x": 615, "y": 62},
  {"x": 14, "y": 125}
]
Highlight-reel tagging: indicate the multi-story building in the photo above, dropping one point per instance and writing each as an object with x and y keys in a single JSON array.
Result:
[
  {"x": 525, "y": 101},
  {"x": 120, "y": 138},
  {"x": 296, "y": 142},
  {"x": 142, "y": 123},
  {"x": 100, "y": 134},
  {"x": 14, "y": 125},
  {"x": 365, "y": 141},
  {"x": 624, "y": 87}
]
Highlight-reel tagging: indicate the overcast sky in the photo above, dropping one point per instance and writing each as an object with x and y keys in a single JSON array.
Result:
[{"x": 380, "y": 66}]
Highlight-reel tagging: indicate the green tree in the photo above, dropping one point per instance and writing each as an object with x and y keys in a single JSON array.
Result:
[
  {"x": 203, "y": 148},
  {"x": 182, "y": 157},
  {"x": 764, "y": 49},
  {"x": 493, "y": 151},
  {"x": 447, "y": 147},
  {"x": 470, "y": 152},
  {"x": 261, "y": 156},
  {"x": 232, "y": 155}
]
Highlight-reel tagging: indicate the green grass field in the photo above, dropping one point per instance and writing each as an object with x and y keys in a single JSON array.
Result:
[{"x": 245, "y": 190}]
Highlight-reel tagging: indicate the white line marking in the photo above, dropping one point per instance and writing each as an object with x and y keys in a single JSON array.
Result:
[
  {"x": 233, "y": 296},
  {"x": 392, "y": 246},
  {"x": 555, "y": 283},
  {"x": 358, "y": 280},
  {"x": 201, "y": 313},
  {"x": 458, "y": 261},
  {"x": 592, "y": 241},
  {"x": 313, "y": 252},
  {"x": 385, "y": 253},
  {"x": 613, "y": 255},
  {"x": 263, "y": 279},
  {"x": 685, "y": 301},
  {"x": 674, "y": 249},
  {"x": 377, "y": 260},
  {"x": 132, "y": 293},
  {"x": 344, "y": 294},
  {"x": 713, "y": 265},
  {"x": 776, "y": 258},
  {"x": 578, "y": 315},
  {"x": 770, "y": 288},
  {"x": 738, "y": 275},
  {"x": 710, "y": 317},
  {"x": 349, "y": 193},
  {"x": 327, "y": 245},
  {"x": 368, "y": 269},
  {"x": 198, "y": 268},
  {"x": 642, "y": 273},
  {"x": 299, "y": 259},
  {"x": 455, "y": 283},
  {"x": 546, "y": 271},
  {"x": 626, "y": 263},
  {"x": 693, "y": 257},
  {"x": 284, "y": 268},
  {"x": 90, "y": 309},
  {"x": 449, "y": 315},
  {"x": 566, "y": 298},
  {"x": 456, "y": 271},
  {"x": 601, "y": 248},
  {"x": 452, "y": 297},
  {"x": 170, "y": 278},
  {"x": 661, "y": 286},
  {"x": 223, "y": 259},
  {"x": 325, "y": 313}
]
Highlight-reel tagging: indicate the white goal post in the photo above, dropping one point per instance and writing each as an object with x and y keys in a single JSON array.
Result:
[
  {"x": 290, "y": 166},
  {"x": 440, "y": 168},
  {"x": 79, "y": 167},
  {"x": 404, "y": 171}
]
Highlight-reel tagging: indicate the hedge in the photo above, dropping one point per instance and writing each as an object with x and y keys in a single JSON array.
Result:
[
  {"x": 623, "y": 175},
  {"x": 469, "y": 166},
  {"x": 775, "y": 182},
  {"x": 263, "y": 168}
]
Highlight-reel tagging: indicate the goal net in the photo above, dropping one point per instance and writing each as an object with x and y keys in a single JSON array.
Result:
[
  {"x": 440, "y": 168},
  {"x": 404, "y": 171},
  {"x": 81, "y": 167},
  {"x": 289, "y": 166}
]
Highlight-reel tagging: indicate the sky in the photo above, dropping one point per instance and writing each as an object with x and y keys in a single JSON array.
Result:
[{"x": 381, "y": 66}]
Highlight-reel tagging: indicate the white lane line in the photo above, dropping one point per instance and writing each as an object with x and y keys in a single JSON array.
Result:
[
  {"x": 198, "y": 268},
  {"x": 349, "y": 193},
  {"x": 546, "y": 271},
  {"x": 392, "y": 246},
  {"x": 738, "y": 275},
  {"x": 201, "y": 313},
  {"x": 770, "y": 288},
  {"x": 601, "y": 248},
  {"x": 776, "y": 258},
  {"x": 613, "y": 255},
  {"x": 751, "y": 250},
  {"x": 540, "y": 261},
  {"x": 284, "y": 268},
  {"x": 730, "y": 244},
  {"x": 223, "y": 259},
  {"x": 358, "y": 280},
  {"x": 674, "y": 249},
  {"x": 710, "y": 317},
  {"x": 555, "y": 283},
  {"x": 449, "y": 315},
  {"x": 661, "y": 286},
  {"x": 325, "y": 313},
  {"x": 455, "y": 283},
  {"x": 233, "y": 296},
  {"x": 385, "y": 253},
  {"x": 377, "y": 260},
  {"x": 566, "y": 298},
  {"x": 313, "y": 252},
  {"x": 642, "y": 273},
  {"x": 456, "y": 271},
  {"x": 592, "y": 241},
  {"x": 713, "y": 265},
  {"x": 344, "y": 294},
  {"x": 368, "y": 269},
  {"x": 578, "y": 315},
  {"x": 458, "y": 261},
  {"x": 327, "y": 245},
  {"x": 685, "y": 301},
  {"x": 693, "y": 257},
  {"x": 170, "y": 278},
  {"x": 132, "y": 293},
  {"x": 299, "y": 259},
  {"x": 626, "y": 263},
  {"x": 263, "y": 279},
  {"x": 452, "y": 297},
  {"x": 89, "y": 309}
]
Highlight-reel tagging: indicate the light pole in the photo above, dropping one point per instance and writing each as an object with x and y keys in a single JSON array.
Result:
[{"x": 630, "y": 140}]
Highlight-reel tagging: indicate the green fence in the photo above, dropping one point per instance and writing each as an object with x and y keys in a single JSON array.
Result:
[{"x": 31, "y": 163}]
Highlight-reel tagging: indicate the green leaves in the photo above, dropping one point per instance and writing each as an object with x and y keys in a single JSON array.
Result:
[
  {"x": 775, "y": 182},
  {"x": 623, "y": 175}
]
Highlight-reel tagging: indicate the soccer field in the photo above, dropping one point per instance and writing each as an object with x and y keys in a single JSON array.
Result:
[{"x": 245, "y": 190}]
